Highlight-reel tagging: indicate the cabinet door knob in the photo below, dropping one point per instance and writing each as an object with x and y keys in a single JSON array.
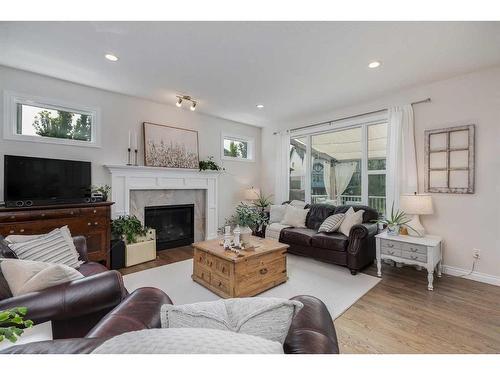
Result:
[
  {"x": 95, "y": 211},
  {"x": 11, "y": 231},
  {"x": 96, "y": 223},
  {"x": 72, "y": 213},
  {"x": 21, "y": 230},
  {"x": 43, "y": 215},
  {"x": 263, "y": 271},
  {"x": 12, "y": 217},
  {"x": 89, "y": 224}
]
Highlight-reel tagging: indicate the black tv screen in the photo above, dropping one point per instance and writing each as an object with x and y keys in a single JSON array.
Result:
[{"x": 40, "y": 179}]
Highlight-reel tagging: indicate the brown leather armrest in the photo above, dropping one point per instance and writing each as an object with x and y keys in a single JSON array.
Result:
[
  {"x": 81, "y": 246},
  {"x": 77, "y": 298},
  {"x": 139, "y": 310},
  {"x": 312, "y": 330}
]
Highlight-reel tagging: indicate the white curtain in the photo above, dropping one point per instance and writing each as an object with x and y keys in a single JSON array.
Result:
[
  {"x": 343, "y": 175},
  {"x": 282, "y": 167},
  {"x": 401, "y": 158},
  {"x": 327, "y": 178}
]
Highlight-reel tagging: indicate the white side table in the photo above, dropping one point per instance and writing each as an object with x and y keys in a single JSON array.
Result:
[{"x": 419, "y": 251}]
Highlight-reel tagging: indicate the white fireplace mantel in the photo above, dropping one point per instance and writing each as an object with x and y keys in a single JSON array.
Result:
[{"x": 125, "y": 178}]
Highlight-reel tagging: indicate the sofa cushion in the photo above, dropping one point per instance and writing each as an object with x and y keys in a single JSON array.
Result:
[
  {"x": 317, "y": 214},
  {"x": 277, "y": 213},
  {"x": 369, "y": 215},
  {"x": 331, "y": 241},
  {"x": 187, "y": 341},
  {"x": 331, "y": 223},
  {"x": 297, "y": 236},
  {"x": 295, "y": 217},
  {"x": 273, "y": 230}
]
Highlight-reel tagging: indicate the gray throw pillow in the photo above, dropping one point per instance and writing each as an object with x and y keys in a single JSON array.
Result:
[
  {"x": 331, "y": 223},
  {"x": 269, "y": 318}
]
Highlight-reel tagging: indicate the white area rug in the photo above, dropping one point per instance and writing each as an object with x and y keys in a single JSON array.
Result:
[{"x": 334, "y": 285}]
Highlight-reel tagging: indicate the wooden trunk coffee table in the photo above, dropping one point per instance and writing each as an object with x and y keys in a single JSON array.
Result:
[{"x": 229, "y": 275}]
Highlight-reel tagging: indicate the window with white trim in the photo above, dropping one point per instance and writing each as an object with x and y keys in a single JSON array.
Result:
[
  {"x": 340, "y": 163},
  {"x": 237, "y": 148},
  {"x": 36, "y": 119}
]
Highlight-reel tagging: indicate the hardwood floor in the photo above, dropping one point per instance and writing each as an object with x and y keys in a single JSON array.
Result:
[{"x": 400, "y": 315}]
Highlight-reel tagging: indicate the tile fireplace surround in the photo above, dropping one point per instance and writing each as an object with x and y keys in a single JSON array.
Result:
[{"x": 126, "y": 179}]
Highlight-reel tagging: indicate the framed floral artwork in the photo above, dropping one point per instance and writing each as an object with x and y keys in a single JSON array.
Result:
[{"x": 170, "y": 147}]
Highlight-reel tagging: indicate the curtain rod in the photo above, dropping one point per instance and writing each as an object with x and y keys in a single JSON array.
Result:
[{"x": 427, "y": 100}]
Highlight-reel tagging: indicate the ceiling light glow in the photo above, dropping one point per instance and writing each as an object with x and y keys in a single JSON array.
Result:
[
  {"x": 111, "y": 57},
  {"x": 374, "y": 64},
  {"x": 260, "y": 106}
]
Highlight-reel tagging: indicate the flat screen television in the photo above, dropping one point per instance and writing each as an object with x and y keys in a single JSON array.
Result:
[{"x": 37, "y": 181}]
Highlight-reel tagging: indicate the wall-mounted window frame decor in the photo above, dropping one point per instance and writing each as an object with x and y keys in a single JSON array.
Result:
[{"x": 450, "y": 160}]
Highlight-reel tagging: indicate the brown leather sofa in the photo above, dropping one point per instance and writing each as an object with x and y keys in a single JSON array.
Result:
[
  {"x": 356, "y": 251},
  {"x": 74, "y": 307},
  {"x": 312, "y": 330}
]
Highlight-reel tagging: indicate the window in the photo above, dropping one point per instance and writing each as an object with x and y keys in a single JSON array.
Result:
[
  {"x": 237, "y": 148},
  {"x": 49, "y": 121},
  {"x": 345, "y": 164}
]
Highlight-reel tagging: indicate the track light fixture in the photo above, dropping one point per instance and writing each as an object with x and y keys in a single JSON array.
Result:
[{"x": 181, "y": 98}]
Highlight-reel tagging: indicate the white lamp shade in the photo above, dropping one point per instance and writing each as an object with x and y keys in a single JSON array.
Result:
[
  {"x": 416, "y": 204},
  {"x": 252, "y": 193}
]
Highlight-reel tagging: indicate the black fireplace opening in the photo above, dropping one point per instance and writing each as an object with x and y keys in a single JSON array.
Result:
[{"x": 174, "y": 224}]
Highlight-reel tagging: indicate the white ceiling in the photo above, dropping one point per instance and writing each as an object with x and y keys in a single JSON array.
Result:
[{"x": 295, "y": 69}]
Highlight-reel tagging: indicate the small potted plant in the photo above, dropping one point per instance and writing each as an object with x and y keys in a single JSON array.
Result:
[
  {"x": 210, "y": 165},
  {"x": 104, "y": 190},
  {"x": 12, "y": 323},
  {"x": 263, "y": 202},
  {"x": 140, "y": 242},
  {"x": 247, "y": 218},
  {"x": 395, "y": 221}
]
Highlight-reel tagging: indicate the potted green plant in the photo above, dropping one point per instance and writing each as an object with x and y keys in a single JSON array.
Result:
[
  {"x": 210, "y": 165},
  {"x": 102, "y": 189},
  {"x": 12, "y": 323},
  {"x": 140, "y": 242},
  {"x": 395, "y": 221},
  {"x": 247, "y": 218},
  {"x": 263, "y": 202}
]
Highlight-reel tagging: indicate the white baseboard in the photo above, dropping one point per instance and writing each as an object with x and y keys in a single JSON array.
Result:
[{"x": 476, "y": 276}]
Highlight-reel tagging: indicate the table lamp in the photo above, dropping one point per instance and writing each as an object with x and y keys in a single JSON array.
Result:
[
  {"x": 416, "y": 204},
  {"x": 252, "y": 194}
]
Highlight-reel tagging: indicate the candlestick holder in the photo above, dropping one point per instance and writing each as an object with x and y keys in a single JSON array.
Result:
[
  {"x": 136, "y": 158},
  {"x": 128, "y": 158}
]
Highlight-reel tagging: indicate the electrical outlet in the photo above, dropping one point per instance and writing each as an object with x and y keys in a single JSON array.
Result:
[{"x": 476, "y": 253}]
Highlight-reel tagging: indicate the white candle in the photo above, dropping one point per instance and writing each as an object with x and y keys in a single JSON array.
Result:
[{"x": 129, "y": 139}]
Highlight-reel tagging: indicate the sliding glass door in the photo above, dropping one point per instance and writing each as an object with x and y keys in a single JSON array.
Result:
[{"x": 340, "y": 166}]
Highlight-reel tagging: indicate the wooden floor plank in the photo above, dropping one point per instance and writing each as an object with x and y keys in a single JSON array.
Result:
[{"x": 399, "y": 315}]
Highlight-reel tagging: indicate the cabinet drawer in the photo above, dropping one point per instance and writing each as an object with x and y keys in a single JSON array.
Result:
[
  {"x": 223, "y": 268},
  {"x": 253, "y": 264},
  {"x": 38, "y": 215},
  {"x": 202, "y": 273},
  {"x": 263, "y": 274},
  {"x": 390, "y": 251},
  {"x": 220, "y": 283},
  {"x": 390, "y": 244},
  {"x": 95, "y": 211},
  {"x": 420, "y": 249},
  {"x": 414, "y": 256}
]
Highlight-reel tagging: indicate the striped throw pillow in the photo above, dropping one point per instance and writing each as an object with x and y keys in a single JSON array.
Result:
[
  {"x": 331, "y": 223},
  {"x": 54, "y": 247}
]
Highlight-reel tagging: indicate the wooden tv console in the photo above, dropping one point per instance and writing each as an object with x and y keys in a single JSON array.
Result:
[{"x": 92, "y": 220}]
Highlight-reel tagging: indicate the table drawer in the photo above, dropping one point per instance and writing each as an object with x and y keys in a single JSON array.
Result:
[
  {"x": 262, "y": 274},
  {"x": 220, "y": 284},
  {"x": 390, "y": 244},
  {"x": 420, "y": 249},
  {"x": 414, "y": 256},
  {"x": 223, "y": 268},
  {"x": 391, "y": 251},
  {"x": 204, "y": 259},
  {"x": 203, "y": 274},
  {"x": 256, "y": 263}
]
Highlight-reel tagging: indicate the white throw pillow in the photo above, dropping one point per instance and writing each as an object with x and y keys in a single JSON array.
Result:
[
  {"x": 25, "y": 276},
  {"x": 54, "y": 247},
  {"x": 295, "y": 217},
  {"x": 351, "y": 219},
  {"x": 277, "y": 213},
  {"x": 269, "y": 318},
  {"x": 297, "y": 203},
  {"x": 187, "y": 341},
  {"x": 332, "y": 223}
]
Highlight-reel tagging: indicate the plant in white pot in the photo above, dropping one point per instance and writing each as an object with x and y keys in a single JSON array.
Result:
[
  {"x": 395, "y": 221},
  {"x": 246, "y": 218},
  {"x": 140, "y": 242}
]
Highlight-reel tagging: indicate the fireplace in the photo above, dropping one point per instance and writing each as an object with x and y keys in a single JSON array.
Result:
[{"x": 174, "y": 224}]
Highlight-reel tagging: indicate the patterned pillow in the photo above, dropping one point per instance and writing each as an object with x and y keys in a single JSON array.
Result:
[
  {"x": 269, "y": 318},
  {"x": 331, "y": 223},
  {"x": 54, "y": 247}
]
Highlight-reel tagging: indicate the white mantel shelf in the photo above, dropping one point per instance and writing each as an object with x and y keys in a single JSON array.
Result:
[{"x": 125, "y": 178}]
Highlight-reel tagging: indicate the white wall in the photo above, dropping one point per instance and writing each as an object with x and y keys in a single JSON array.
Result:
[
  {"x": 121, "y": 113},
  {"x": 464, "y": 221}
]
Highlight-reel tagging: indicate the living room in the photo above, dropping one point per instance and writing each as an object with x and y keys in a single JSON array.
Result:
[{"x": 207, "y": 188}]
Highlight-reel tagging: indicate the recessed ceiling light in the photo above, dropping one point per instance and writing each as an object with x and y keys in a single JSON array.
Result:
[
  {"x": 193, "y": 106},
  {"x": 260, "y": 106},
  {"x": 374, "y": 64},
  {"x": 111, "y": 57}
]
